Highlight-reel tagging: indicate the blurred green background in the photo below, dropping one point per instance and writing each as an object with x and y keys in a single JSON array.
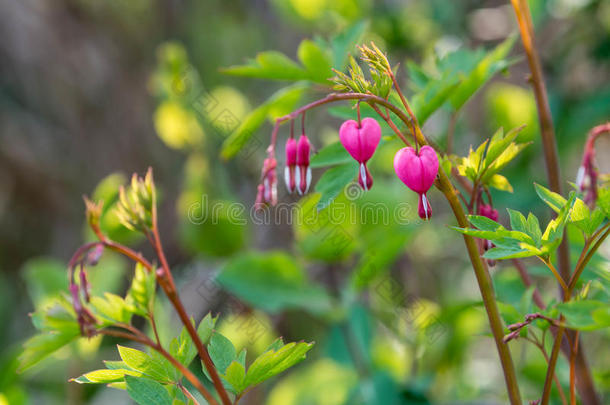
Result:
[{"x": 91, "y": 91}]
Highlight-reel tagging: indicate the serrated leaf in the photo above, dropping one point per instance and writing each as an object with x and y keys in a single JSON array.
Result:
[
  {"x": 144, "y": 363},
  {"x": 484, "y": 223},
  {"x": 500, "y": 182},
  {"x": 552, "y": 199},
  {"x": 333, "y": 181},
  {"x": 235, "y": 375},
  {"x": 105, "y": 376},
  {"x": 206, "y": 327},
  {"x": 498, "y": 253},
  {"x": 517, "y": 221},
  {"x": 221, "y": 351},
  {"x": 274, "y": 362},
  {"x": 145, "y": 391},
  {"x": 112, "y": 308},
  {"x": 183, "y": 348}
]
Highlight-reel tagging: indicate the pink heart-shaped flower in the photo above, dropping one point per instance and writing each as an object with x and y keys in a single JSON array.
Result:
[
  {"x": 416, "y": 171},
  {"x": 360, "y": 141}
]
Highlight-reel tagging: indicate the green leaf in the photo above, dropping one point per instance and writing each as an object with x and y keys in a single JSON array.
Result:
[
  {"x": 269, "y": 65},
  {"x": 586, "y": 315},
  {"x": 105, "y": 376},
  {"x": 533, "y": 229},
  {"x": 183, "y": 348},
  {"x": 603, "y": 200},
  {"x": 280, "y": 102},
  {"x": 331, "y": 155},
  {"x": 433, "y": 96},
  {"x": 484, "y": 223},
  {"x": 221, "y": 351},
  {"x": 517, "y": 221},
  {"x": 316, "y": 61},
  {"x": 552, "y": 199},
  {"x": 345, "y": 42},
  {"x": 206, "y": 327},
  {"x": 484, "y": 70},
  {"x": 236, "y": 375},
  {"x": 112, "y": 307},
  {"x": 144, "y": 363},
  {"x": 39, "y": 347},
  {"x": 272, "y": 281},
  {"x": 142, "y": 290},
  {"x": 333, "y": 181},
  {"x": 274, "y": 362},
  {"x": 147, "y": 392},
  {"x": 499, "y": 182},
  {"x": 498, "y": 253}
]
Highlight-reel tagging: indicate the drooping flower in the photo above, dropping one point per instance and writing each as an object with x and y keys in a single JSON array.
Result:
[
  {"x": 418, "y": 172},
  {"x": 267, "y": 190},
  {"x": 290, "y": 171},
  {"x": 360, "y": 141},
  {"x": 303, "y": 178}
]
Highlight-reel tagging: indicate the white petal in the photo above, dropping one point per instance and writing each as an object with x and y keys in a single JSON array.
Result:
[
  {"x": 287, "y": 178},
  {"x": 425, "y": 203},
  {"x": 363, "y": 176},
  {"x": 308, "y": 182}
]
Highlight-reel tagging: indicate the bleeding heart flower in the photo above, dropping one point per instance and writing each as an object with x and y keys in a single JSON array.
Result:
[
  {"x": 303, "y": 177},
  {"x": 360, "y": 141},
  {"x": 290, "y": 171},
  {"x": 267, "y": 190},
  {"x": 418, "y": 173}
]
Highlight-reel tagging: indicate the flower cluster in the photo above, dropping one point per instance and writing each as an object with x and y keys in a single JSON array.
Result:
[{"x": 416, "y": 168}]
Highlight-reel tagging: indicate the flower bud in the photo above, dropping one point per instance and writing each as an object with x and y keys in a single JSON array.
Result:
[
  {"x": 290, "y": 171},
  {"x": 303, "y": 178},
  {"x": 489, "y": 212}
]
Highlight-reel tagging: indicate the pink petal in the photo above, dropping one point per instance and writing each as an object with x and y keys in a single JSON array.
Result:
[
  {"x": 417, "y": 172},
  {"x": 360, "y": 142}
]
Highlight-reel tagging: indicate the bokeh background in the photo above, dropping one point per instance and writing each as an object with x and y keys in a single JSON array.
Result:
[{"x": 87, "y": 96}]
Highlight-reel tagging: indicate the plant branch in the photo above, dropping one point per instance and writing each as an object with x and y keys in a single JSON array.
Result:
[
  {"x": 167, "y": 283},
  {"x": 143, "y": 339}
]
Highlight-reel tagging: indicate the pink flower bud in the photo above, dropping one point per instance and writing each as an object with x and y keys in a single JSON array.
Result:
[
  {"x": 418, "y": 172},
  {"x": 269, "y": 181},
  {"x": 291, "y": 164},
  {"x": 360, "y": 141},
  {"x": 303, "y": 178},
  {"x": 489, "y": 212}
]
